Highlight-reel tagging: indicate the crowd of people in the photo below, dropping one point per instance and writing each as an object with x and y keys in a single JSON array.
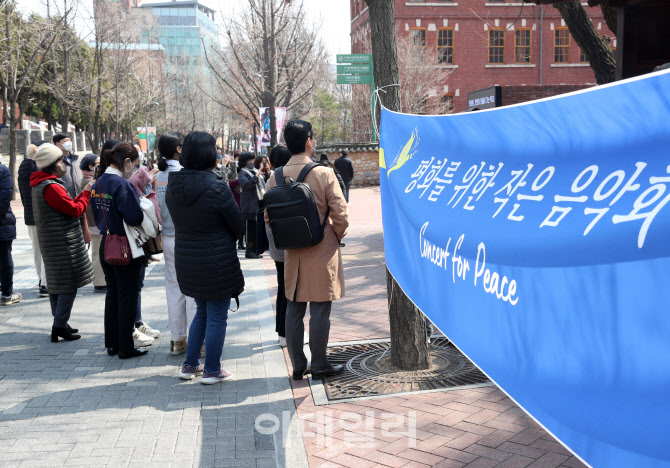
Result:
[{"x": 99, "y": 219}]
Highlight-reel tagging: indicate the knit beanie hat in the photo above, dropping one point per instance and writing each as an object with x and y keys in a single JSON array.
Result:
[{"x": 46, "y": 155}]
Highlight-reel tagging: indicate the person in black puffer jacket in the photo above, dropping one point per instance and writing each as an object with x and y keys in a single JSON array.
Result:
[
  {"x": 207, "y": 225},
  {"x": 7, "y": 236},
  {"x": 26, "y": 168}
]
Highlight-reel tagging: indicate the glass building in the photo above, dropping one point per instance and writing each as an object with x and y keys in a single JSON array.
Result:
[{"x": 185, "y": 29}]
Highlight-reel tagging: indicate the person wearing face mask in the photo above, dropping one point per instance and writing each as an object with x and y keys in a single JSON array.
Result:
[
  {"x": 248, "y": 177},
  {"x": 61, "y": 240},
  {"x": 115, "y": 201},
  {"x": 181, "y": 308},
  {"x": 72, "y": 177}
]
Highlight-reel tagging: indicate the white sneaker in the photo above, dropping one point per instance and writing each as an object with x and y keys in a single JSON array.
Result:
[
  {"x": 141, "y": 340},
  {"x": 282, "y": 342},
  {"x": 147, "y": 330},
  {"x": 221, "y": 376}
]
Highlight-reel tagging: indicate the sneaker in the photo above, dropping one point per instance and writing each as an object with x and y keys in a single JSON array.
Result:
[
  {"x": 44, "y": 292},
  {"x": 147, "y": 330},
  {"x": 221, "y": 376},
  {"x": 189, "y": 373},
  {"x": 140, "y": 339},
  {"x": 282, "y": 341},
  {"x": 177, "y": 347},
  {"x": 12, "y": 299}
]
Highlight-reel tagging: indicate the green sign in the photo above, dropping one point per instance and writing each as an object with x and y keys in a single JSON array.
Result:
[
  {"x": 152, "y": 141},
  {"x": 354, "y": 58},
  {"x": 354, "y": 79},
  {"x": 353, "y": 69}
]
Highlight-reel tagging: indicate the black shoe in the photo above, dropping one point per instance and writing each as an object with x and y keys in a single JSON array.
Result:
[
  {"x": 342, "y": 244},
  {"x": 100, "y": 289},
  {"x": 328, "y": 371},
  {"x": 44, "y": 292},
  {"x": 64, "y": 333},
  {"x": 298, "y": 375},
  {"x": 112, "y": 351},
  {"x": 72, "y": 330},
  {"x": 133, "y": 353},
  {"x": 252, "y": 255}
]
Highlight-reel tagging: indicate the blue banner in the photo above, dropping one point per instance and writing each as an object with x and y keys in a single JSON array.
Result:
[{"x": 537, "y": 238}]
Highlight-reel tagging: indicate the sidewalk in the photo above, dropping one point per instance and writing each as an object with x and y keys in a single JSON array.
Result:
[
  {"x": 474, "y": 428},
  {"x": 69, "y": 404}
]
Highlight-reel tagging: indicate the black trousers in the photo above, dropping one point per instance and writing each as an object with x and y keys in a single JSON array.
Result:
[
  {"x": 6, "y": 268},
  {"x": 61, "y": 308},
  {"x": 280, "y": 318},
  {"x": 123, "y": 289},
  {"x": 251, "y": 235}
]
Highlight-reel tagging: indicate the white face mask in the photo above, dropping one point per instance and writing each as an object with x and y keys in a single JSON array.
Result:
[{"x": 67, "y": 146}]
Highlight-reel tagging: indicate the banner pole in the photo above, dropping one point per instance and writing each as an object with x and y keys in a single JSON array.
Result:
[{"x": 373, "y": 133}]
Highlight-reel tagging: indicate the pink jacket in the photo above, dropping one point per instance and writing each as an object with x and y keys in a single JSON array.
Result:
[{"x": 140, "y": 180}]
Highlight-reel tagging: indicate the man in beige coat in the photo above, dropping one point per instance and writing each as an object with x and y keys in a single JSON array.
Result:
[{"x": 313, "y": 274}]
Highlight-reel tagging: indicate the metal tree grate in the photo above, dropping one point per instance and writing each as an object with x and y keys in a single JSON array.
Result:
[{"x": 368, "y": 371}]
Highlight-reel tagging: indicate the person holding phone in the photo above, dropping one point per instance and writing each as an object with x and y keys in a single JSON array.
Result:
[{"x": 61, "y": 239}]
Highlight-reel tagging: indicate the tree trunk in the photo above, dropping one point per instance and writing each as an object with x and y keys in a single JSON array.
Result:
[
  {"x": 13, "y": 121},
  {"x": 409, "y": 349},
  {"x": 610, "y": 16},
  {"x": 5, "y": 113},
  {"x": 597, "y": 50}
]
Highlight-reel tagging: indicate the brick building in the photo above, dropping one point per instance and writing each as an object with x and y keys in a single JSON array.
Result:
[{"x": 489, "y": 42}]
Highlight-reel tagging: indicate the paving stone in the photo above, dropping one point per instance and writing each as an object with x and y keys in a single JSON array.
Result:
[{"x": 70, "y": 404}]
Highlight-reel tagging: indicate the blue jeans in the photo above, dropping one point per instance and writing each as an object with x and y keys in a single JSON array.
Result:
[{"x": 209, "y": 325}]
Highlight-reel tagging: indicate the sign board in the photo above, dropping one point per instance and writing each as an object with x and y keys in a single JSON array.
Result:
[
  {"x": 360, "y": 69},
  {"x": 142, "y": 136},
  {"x": 354, "y": 58},
  {"x": 486, "y": 98},
  {"x": 354, "y": 79}
]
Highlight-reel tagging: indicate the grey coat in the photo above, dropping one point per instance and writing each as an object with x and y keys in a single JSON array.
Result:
[
  {"x": 249, "y": 197},
  {"x": 72, "y": 178}
]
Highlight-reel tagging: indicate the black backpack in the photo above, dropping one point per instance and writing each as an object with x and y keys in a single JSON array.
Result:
[{"x": 294, "y": 218}]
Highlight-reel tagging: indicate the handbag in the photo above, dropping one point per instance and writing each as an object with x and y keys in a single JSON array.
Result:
[
  {"x": 155, "y": 244},
  {"x": 117, "y": 248}
]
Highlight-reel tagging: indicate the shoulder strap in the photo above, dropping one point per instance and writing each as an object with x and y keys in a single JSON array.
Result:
[
  {"x": 308, "y": 167},
  {"x": 279, "y": 176}
]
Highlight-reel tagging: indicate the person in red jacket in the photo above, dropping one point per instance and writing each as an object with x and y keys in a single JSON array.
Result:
[{"x": 61, "y": 240}]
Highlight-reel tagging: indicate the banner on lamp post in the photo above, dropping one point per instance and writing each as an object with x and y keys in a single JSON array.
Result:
[{"x": 280, "y": 118}]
